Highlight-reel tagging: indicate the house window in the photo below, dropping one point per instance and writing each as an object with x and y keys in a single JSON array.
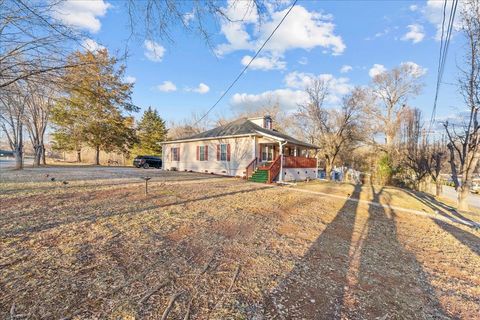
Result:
[
  {"x": 223, "y": 152},
  {"x": 202, "y": 153},
  {"x": 267, "y": 152},
  {"x": 175, "y": 154}
]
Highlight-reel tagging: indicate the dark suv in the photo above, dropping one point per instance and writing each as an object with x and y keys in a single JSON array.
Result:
[{"x": 147, "y": 162}]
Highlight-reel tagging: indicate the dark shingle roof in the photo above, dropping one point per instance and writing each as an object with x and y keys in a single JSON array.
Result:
[{"x": 244, "y": 126}]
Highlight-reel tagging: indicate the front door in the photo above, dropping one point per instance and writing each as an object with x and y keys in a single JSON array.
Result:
[{"x": 267, "y": 152}]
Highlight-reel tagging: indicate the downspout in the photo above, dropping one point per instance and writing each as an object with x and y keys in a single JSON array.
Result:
[{"x": 280, "y": 179}]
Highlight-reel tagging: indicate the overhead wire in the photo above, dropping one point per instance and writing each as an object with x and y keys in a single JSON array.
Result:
[
  {"x": 248, "y": 64},
  {"x": 444, "y": 46}
]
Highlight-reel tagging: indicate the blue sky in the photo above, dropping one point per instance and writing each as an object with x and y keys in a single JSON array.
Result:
[{"x": 343, "y": 41}]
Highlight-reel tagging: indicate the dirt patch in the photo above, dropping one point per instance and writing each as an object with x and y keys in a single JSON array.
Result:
[{"x": 227, "y": 249}]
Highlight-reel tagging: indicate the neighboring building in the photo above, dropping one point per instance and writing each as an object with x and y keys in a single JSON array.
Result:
[{"x": 245, "y": 148}]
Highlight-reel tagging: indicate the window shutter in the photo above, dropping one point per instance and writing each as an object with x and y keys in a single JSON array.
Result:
[
  {"x": 170, "y": 156},
  {"x": 228, "y": 152},
  {"x": 206, "y": 153},
  {"x": 218, "y": 152},
  {"x": 178, "y": 153},
  {"x": 198, "y": 153}
]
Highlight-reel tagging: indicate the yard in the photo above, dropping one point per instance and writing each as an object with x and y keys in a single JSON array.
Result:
[{"x": 91, "y": 245}]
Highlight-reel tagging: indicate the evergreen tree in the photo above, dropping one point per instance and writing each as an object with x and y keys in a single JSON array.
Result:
[
  {"x": 91, "y": 113},
  {"x": 151, "y": 130}
]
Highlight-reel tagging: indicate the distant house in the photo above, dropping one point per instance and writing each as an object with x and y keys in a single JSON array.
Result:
[{"x": 248, "y": 148}]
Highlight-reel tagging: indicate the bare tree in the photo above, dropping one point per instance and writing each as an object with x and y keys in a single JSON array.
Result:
[
  {"x": 391, "y": 90},
  {"x": 33, "y": 43},
  {"x": 12, "y": 111},
  {"x": 437, "y": 154},
  {"x": 39, "y": 102},
  {"x": 283, "y": 120},
  {"x": 463, "y": 139},
  {"x": 415, "y": 157},
  {"x": 153, "y": 19},
  {"x": 331, "y": 129},
  {"x": 187, "y": 127}
]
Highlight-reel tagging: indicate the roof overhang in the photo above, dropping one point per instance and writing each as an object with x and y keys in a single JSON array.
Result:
[
  {"x": 207, "y": 138},
  {"x": 257, "y": 134},
  {"x": 280, "y": 139}
]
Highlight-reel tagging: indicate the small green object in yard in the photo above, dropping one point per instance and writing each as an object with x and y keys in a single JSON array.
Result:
[{"x": 146, "y": 184}]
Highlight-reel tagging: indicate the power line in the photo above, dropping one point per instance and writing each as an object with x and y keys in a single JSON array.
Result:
[
  {"x": 248, "y": 65},
  {"x": 443, "y": 52}
]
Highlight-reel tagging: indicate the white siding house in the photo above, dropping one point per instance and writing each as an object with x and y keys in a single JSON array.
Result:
[{"x": 241, "y": 148}]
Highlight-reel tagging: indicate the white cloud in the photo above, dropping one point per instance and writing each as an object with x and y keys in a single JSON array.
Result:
[
  {"x": 153, "y": 51},
  {"x": 167, "y": 86},
  {"x": 303, "y": 61},
  {"x": 130, "y": 79},
  {"x": 413, "y": 7},
  {"x": 287, "y": 99},
  {"x": 337, "y": 87},
  {"x": 188, "y": 17},
  {"x": 202, "y": 88},
  {"x": 433, "y": 12},
  {"x": 294, "y": 94},
  {"x": 379, "y": 34},
  {"x": 376, "y": 70},
  {"x": 415, "y": 33},
  {"x": 302, "y": 29},
  {"x": 264, "y": 63},
  {"x": 82, "y": 14},
  {"x": 416, "y": 70},
  {"x": 91, "y": 45},
  {"x": 346, "y": 68},
  {"x": 413, "y": 68}
]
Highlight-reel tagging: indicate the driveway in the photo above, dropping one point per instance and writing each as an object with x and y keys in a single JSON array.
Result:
[
  {"x": 9, "y": 163},
  {"x": 450, "y": 193}
]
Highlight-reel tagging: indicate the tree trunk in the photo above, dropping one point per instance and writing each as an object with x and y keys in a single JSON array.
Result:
[
  {"x": 37, "y": 149},
  {"x": 79, "y": 156},
  {"x": 97, "y": 155},
  {"x": 389, "y": 138},
  {"x": 44, "y": 160},
  {"x": 463, "y": 193},
  {"x": 438, "y": 189},
  {"x": 18, "y": 158},
  {"x": 328, "y": 171}
]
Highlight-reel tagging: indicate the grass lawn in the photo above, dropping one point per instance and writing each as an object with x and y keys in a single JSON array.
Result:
[{"x": 204, "y": 246}]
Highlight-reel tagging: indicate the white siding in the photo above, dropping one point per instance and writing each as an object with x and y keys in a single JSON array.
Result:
[
  {"x": 298, "y": 174},
  {"x": 241, "y": 154}
]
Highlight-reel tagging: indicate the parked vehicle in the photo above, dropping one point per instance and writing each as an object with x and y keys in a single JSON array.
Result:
[
  {"x": 147, "y": 162},
  {"x": 475, "y": 188}
]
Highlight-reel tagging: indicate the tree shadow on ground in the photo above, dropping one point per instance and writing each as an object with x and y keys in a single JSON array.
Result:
[
  {"x": 434, "y": 204},
  {"x": 391, "y": 282},
  {"x": 468, "y": 239},
  {"x": 315, "y": 286},
  {"x": 74, "y": 218},
  {"x": 362, "y": 275}
]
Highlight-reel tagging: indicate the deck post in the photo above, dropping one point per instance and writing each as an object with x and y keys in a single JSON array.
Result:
[{"x": 280, "y": 178}]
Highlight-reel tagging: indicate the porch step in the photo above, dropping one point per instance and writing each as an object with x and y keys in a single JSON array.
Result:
[{"x": 259, "y": 176}]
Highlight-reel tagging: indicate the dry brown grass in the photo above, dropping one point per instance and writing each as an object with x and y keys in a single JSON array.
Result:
[{"x": 100, "y": 249}]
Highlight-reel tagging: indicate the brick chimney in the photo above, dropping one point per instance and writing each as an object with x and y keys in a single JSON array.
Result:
[{"x": 264, "y": 122}]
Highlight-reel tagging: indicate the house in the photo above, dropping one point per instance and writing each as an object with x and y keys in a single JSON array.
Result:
[{"x": 249, "y": 148}]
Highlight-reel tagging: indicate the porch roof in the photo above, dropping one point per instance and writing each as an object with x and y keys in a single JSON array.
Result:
[{"x": 244, "y": 127}]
